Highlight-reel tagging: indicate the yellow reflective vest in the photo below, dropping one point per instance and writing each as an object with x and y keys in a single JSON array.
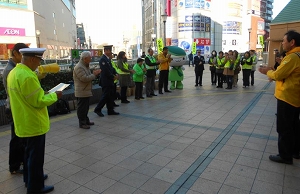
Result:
[{"x": 28, "y": 102}]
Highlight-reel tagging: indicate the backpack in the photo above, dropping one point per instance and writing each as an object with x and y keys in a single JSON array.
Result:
[{"x": 62, "y": 107}]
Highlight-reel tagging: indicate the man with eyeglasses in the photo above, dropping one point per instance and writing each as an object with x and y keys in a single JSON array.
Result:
[
  {"x": 199, "y": 67},
  {"x": 28, "y": 102}
]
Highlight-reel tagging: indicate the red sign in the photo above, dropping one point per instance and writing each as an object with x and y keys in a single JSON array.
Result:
[
  {"x": 202, "y": 41},
  {"x": 7, "y": 31}
]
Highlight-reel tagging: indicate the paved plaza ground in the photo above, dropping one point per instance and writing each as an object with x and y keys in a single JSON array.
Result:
[{"x": 196, "y": 140}]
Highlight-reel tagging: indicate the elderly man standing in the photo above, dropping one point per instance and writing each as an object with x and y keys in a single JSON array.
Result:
[
  {"x": 151, "y": 64},
  {"x": 83, "y": 88},
  {"x": 29, "y": 103},
  {"x": 287, "y": 93}
]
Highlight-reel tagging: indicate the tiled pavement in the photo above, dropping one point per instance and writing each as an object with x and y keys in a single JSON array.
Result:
[{"x": 197, "y": 140}]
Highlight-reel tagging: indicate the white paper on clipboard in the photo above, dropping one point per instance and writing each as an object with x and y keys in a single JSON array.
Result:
[{"x": 59, "y": 87}]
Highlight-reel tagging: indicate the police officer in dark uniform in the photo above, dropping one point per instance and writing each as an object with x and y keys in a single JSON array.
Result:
[
  {"x": 106, "y": 81},
  {"x": 199, "y": 67}
]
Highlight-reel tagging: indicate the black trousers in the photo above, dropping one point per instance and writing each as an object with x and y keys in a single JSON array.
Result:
[
  {"x": 252, "y": 77},
  {"x": 138, "y": 89},
  {"x": 198, "y": 75},
  {"x": 34, "y": 162},
  {"x": 287, "y": 128},
  {"x": 220, "y": 79},
  {"x": 124, "y": 93},
  {"x": 83, "y": 105},
  {"x": 163, "y": 80},
  {"x": 213, "y": 77},
  {"x": 229, "y": 81},
  {"x": 106, "y": 98},
  {"x": 150, "y": 85},
  {"x": 16, "y": 146},
  {"x": 246, "y": 77}
]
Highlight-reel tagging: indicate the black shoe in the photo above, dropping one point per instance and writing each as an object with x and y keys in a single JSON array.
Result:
[
  {"x": 160, "y": 93},
  {"x": 196, "y": 85},
  {"x": 90, "y": 123},
  {"x": 45, "y": 177},
  {"x": 46, "y": 189},
  {"x": 84, "y": 126},
  {"x": 277, "y": 158},
  {"x": 200, "y": 84},
  {"x": 99, "y": 113},
  {"x": 137, "y": 98},
  {"x": 142, "y": 98},
  {"x": 149, "y": 96},
  {"x": 112, "y": 113},
  {"x": 125, "y": 101},
  {"x": 296, "y": 156},
  {"x": 116, "y": 105},
  {"x": 153, "y": 94},
  {"x": 168, "y": 91}
]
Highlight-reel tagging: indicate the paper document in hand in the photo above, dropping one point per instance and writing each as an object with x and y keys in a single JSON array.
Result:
[{"x": 59, "y": 87}]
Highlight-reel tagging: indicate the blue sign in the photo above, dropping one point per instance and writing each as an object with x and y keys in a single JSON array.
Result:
[
  {"x": 189, "y": 3},
  {"x": 174, "y": 42},
  {"x": 196, "y": 3}
]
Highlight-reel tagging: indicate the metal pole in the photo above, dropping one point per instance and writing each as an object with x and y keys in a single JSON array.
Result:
[{"x": 165, "y": 33}]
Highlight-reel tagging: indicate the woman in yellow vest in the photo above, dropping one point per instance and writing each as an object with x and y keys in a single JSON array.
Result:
[
  {"x": 228, "y": 68},
  {"x": 220, "y": 69},
  {"x": 246, "y": 63},
  {"x": 124, "y": 75}
]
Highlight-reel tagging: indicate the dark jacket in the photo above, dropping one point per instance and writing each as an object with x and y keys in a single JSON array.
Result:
[
  {"x": 199, "y": 62},
  {"x": 107, "y": 72},
  {"x": 190, "y": 56}
]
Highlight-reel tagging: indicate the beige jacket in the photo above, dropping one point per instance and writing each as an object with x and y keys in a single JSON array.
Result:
[{"x": 83, "y": 80}]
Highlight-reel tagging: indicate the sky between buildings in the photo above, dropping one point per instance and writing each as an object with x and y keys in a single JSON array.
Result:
[{"x": 107, "y": 21}]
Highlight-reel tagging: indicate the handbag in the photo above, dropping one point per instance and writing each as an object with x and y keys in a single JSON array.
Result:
[{"x": 231, "y": 66}]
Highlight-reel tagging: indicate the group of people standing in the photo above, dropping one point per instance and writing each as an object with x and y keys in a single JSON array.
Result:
[{"x": 225, "y": 68}]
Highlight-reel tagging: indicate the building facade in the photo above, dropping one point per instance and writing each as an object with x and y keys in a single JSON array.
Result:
[
  {"x": 38, "y": 23},
  {"x": 212, "y": 24}
]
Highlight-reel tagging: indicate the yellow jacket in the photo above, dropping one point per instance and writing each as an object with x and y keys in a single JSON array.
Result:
[
  {"x": 287, "y": 77},
  {"x": 164, "y": 62},
  {"x": 28, "y": 102}
]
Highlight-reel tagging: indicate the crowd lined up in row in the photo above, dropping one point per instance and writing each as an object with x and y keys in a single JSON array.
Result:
[{"x": 226, "y": 67}]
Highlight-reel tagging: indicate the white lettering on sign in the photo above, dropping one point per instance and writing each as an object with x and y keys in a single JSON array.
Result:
[{"x": 12, "y": 32}]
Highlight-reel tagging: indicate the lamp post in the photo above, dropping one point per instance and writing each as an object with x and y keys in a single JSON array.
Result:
[
  {"x": 38, "y": 33},
  {"x": 164, "y": 19},
  {"x": 153, "y": 36},
  {"x": 249, "y": 30},
  {"x": 125, "y": 41}
]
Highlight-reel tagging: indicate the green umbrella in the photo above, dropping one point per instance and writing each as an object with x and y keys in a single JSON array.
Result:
[{"x": 176, "y": 51}]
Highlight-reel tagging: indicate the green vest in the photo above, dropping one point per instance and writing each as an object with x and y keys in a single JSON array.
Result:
[
  {"x": 152, "y": 60},
  {"x": 220, "y": 63},
  {"x": 246, "y": 66},
  {"x": 126, "y": 66}
]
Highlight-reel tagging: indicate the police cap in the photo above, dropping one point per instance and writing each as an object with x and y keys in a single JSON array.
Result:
[
  {"x": 108, "y": 47},
  {"x": 34, "y": 52}
]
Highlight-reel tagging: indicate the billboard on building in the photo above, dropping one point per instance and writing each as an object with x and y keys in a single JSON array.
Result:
[
  {"x": 195, "y": 23},
  {"x": 202, "y": 4},
  {"x": 232, "y": 27}
]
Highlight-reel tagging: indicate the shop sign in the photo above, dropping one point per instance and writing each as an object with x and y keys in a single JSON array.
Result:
[{"x": 6, "y": 31}]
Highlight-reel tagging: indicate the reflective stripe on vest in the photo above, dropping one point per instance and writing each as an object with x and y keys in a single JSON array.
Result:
[
  {"x": 126, "y": 66},
  {"x": 152, "y": 60}
]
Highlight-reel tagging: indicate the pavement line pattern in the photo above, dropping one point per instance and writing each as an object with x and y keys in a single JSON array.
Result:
[{"x": 188, "y": 178}]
